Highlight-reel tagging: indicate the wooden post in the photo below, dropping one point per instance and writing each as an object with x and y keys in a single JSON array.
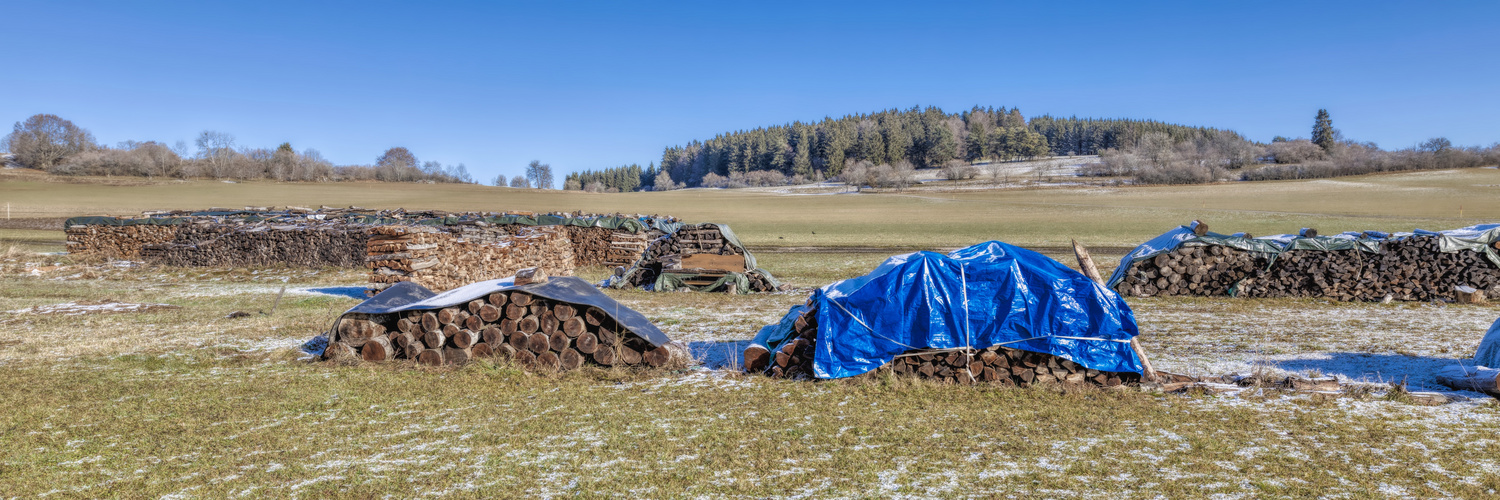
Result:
[{"x": 1087, "y": 264}]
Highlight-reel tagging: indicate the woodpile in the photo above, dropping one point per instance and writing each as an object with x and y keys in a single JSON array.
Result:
[
  {"x": 261, "y": 245},
  {"x": 688, "y": 254},
  {"x": 116, "y": 242},
  {"x": 229, "y": 236},
  {"x": 1412, "y": 268},
  {"x": 536, "y": 332},
  {"x": 999, "y": 365},
  {"x": 441, "y": 260}
]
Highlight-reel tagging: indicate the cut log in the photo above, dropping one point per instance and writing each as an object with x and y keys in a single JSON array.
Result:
[
  {"x": 573, "y": 326},
  {"x": 492, "y": 335},
  {"x": 525, "y": 358},
  {"x": 457, "y": 356},
  {"x": 429, "y": 322},
  {"x": 518, "y": 340},
  {"x": 520, "y": 298},
  {"x": 629, "y": 356},
  {"x": 527, "y": 324},
  {"x": 657, "y": 357},
  {"x": 504, "y": 351},
  {"x": 466, "y": 338},
  {"x": 548, "y": 361},
  {"x": 338, "y": 351},
  {"x": 607, "y": 337},
  {"x": 594, "y": 316},
  {"x": 482, "y": 350},
  {"x": 515, "y": 311},
  {"x": 431, "y": 357},
  {"x": 559, "y": 341},
  {"x": 757, "y": 358},
  {"x": 538, "y": 343},
  {"x": 474, "y": 306},
  {"x": 570, "y": 359},
  {"x": 586, "y": 343},
  {"x": 434, "y": 339},
  {"x": 447, "y": 315},
  {"x": 604, "y": 356},
  {"x": 530, "y": 275},
  {"x": 404, "y": 325},
  {"x": 564, "y": 312},
  {"x": 473, "y": 323}
]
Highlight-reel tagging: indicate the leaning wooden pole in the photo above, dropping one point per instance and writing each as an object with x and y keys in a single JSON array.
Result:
[{"x": 1086, "y": 264}]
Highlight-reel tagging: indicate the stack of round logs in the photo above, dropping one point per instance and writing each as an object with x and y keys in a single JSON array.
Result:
[
  {"x": 536, "y": 332},
  {"x": 439, "y": 260},
  {"x": 1412, "y": 268},
  {"x": 998, "y": 365}
]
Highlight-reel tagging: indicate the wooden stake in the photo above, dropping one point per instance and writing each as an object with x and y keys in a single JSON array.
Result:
[{"x": 1087, "y": 264}]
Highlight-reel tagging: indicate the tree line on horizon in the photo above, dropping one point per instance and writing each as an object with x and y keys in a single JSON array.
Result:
[
  {"x": 56, "y": 145},
  {"x": 923, "y": 137}
]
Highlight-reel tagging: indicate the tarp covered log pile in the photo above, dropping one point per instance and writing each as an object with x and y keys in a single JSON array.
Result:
[
  {"x": 1353, "y": 266},
  {"x": 559, "y": 325},
  {"x": 987, "y": 313},
  {"x": 704, "y": 257},
  {"x": 222, "y": 236}
]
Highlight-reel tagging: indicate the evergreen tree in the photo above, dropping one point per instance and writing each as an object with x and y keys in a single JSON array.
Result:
[{"x": 1322, "y": 132}]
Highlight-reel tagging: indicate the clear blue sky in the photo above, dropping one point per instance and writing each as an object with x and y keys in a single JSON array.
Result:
[{"x": 595, "y": 85}]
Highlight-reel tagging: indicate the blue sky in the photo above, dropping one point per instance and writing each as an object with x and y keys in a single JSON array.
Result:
[{"x": 593, "y": 85}]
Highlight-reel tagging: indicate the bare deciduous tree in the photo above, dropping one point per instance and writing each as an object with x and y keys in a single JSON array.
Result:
[
  {"x": 44, "y": 140},
  {"x": 539, "y": 175}
]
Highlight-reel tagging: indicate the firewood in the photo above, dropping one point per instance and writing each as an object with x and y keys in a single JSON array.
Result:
[
  {"x": 527, "y": 324},
  {"x": 570, "y": 360},
  {"x": 548, "y": 361},
  {"x": 586, "y": 343},
  {"x": 604, "y": 356},
  {"x": 559, "y": 341},
  {"x": 489, "y": 313},
  {"x": 538, "y": 343},
  {"x": 474, "y": 306},
  {"x": 594, "y": 316},
  {"x": 657, "y": 357},
  {"x": 404, "y": 325},
  {"x": 431, "y": 357},
  {"x": 530, "y": 275},
  {"x": 607, "y": 337},
  {"x": 504, "y": 351},
  {"x": 515, "y": 311},
  {"x": 525, "y": 358},
  {"x": 473, "y": 323},
  {"x": 498, "y": 299},
  {"x": 337, "y": 351},
  {"x": 434, "y": 339},
  {"x": 482, "y": 350},
  {"x": 457, "y": 356},
  {"x": 450, "y": 329},
  {"x": 466, "y": 339},
  {"x": 519, "y": 340},
  {"x": 446, "y": 315},
  {"x": 492, "y": 335},
  {"x": 629, "y": 355},
  {"x": 756, "y": 358},
  {"x": 520, "y": 298},
  {"x": 563, "y": 311},
  {"x": 573, "y": 327},
  {"x": 429, "y": 322},
  {"x": 546, "y": 323}
]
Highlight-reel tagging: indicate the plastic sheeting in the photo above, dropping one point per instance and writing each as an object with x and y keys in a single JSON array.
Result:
[
  {"x": 407, "y": 296},
  {"x": 1488, "y": 354},
  {"x": 984, "y": 295},
  {"x": 1478, "y": 238},
  {"x": 668, "y": 282}
]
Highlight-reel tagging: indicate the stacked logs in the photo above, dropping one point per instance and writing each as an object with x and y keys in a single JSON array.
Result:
[
  {"x": 1412, "y": 268},
  {"x": 535, "y": 332},
  {"x": 1196, "y": 270},
  {"x": 440, "y": 260},
  {"x": 995, "y": 364},
  {"x": 666, "y": 253},
  {"x": 116, "y": 242},
  {"x": 311, "y": 245},
  {"x": 625, "y": 248}
]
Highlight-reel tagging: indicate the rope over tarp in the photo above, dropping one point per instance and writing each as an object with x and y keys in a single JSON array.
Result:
[{"x": 1478, "y": 238}]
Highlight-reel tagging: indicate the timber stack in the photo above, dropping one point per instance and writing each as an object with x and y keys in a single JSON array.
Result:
[
  {"x": 301, "y": 236},
  {"x": 536, "y": 332},
  {"x": 995, "y": 364},
  {"x": 440, "y": 260},
  {"x": 1411, "y": 268}
]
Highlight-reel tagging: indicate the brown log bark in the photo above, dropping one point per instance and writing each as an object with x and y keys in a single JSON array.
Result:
[
  {"x": 482, "y": 350},
  {"x": 657, "y": 357},
  {"x": 629, "y": 356},
  {"x": 338, "y": 350},
  {"x": 757, "y": 358},
  {"x": 431, "y": 357},
  {"x": 457, "y": 356}
]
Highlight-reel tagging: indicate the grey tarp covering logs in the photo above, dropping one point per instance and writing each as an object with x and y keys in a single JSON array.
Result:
[
  {"x": 560, "y": 324},
  {"x": 1357, "y": 266}
]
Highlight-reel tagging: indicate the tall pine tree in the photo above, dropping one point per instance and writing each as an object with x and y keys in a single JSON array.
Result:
[{"x": 1322, "y": 132}]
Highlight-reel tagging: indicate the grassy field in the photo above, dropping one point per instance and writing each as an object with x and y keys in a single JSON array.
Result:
[
  {"x": 929, "y": 217},
  {"x": 184, "y": 402}
]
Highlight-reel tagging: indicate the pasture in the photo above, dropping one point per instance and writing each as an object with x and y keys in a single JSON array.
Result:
[{"x": 187, "y": 402}]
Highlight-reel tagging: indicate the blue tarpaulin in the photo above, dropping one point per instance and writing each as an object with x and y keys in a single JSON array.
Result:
[{"x": 984, "y": 295}]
